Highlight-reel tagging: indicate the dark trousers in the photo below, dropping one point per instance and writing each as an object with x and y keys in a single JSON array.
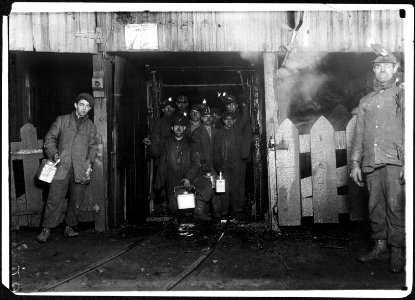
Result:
[
  {"x": 231, "y": 201},
  {"x": 387, "y": 205},
  {"x": 56, "y": 201}
]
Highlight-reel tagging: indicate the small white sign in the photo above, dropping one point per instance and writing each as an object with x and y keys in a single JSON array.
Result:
[{"x": 141, "y": 36}]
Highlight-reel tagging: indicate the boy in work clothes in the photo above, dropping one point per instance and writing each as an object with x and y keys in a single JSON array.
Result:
[
  {"x": 179, "y": 166},
  {"x": 228, "y": 158},
  {"x": 72, "y": 139}
]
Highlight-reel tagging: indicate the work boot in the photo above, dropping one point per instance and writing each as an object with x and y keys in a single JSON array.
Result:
[
  {"x": 396, "y": 261},
  {"x": 69, "y": 232},
  {"x": 378, "y": 253},
  {"x": 43, "y": 236}
]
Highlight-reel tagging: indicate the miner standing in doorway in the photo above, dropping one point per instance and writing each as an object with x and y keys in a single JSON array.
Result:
[
  {"x": 242, "y": 125},
  {"x": 179, "y": 166},
  {"x": 161, "y": 131},
  {"x": 72, "y": 139},
  {"x": 228, "y": 158},
  {"x": 378, "y": 152},
  {"x": 203, "y": 137}
]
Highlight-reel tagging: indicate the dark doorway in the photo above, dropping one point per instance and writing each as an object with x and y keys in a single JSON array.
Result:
[{"x": 147, "y": 79}]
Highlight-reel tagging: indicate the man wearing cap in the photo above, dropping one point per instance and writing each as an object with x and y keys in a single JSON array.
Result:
[
  {"x": 203, "y": 137},
  {"x": 378, "y": 151},
  {"x": 179, "y": 165},
  {"x": 243, "y": 124},
  {"x": 217, "y": 118},
  {"x": 72, "y": 139},
  {"x": 228, "y": 158},
  {"x": 161, "y": 131},
  {"x": 195, "y": 119},
  {"x": 182, "y": 102}
]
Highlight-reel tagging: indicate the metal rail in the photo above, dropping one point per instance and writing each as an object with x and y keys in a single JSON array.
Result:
[{"x": 171, "y": 284}]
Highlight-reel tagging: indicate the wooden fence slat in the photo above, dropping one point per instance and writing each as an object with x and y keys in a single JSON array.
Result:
[
  {"x": 307, "y": 206},
  {"x": 306, "y": 187},
  {"x": 304, "y": 143},
  {"x": 356, "y": 194},
  {"x": 30, "y": 165},
  {"x": 323, "y": 162},
  {"x": 288, "y": 174},
  {"x": 341, "y": 176},
  {"x": 340, "y": 140}
]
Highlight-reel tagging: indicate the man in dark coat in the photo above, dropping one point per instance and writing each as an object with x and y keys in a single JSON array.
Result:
[
  {"x": 72, "y": 140},
  {"x": 203, "y": 137},
  {"x": 243, "y": 125},
  {"x": 228, "y": 158},
  {"x": 179, "y": 166},
  {"x": 378, "y": 151},
  {"x": 161, "y": 129}
]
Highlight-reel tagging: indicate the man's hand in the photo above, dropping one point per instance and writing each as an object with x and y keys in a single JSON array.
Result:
[
  {"x": 356, "y": 175},
  {"x": 56, "y": 157},
  {"x": 147, "y": 141},
  {"x": 186, "y": 183},
  {"x": 402, "y": 175}
]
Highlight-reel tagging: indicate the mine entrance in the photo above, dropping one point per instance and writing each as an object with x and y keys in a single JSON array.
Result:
[{"x": 141, "y": 82}]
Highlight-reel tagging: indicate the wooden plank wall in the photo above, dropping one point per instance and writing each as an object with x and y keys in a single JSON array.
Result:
[
  {"x": 52, "y": 32},
  {"x": 327, "y": 31}
]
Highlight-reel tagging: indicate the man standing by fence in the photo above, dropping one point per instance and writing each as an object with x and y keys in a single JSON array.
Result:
[
  {"x": 378, "y": 151},
  {"x": 72, "y": 139}
]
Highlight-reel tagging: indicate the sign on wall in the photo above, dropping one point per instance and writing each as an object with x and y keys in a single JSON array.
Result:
[{"x": 141, "y": 36}]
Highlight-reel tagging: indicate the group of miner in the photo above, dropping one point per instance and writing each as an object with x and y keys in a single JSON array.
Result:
[{"x": 192, "y": 146}]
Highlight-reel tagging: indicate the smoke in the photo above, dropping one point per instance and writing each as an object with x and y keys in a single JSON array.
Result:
[{"x": 298, "y": 82}]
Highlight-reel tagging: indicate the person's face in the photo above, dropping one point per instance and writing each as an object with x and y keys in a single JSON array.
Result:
[
  {"x": 181, "y": 104},
  {"x": 82, "y": 107},
  {"x": 384, "y": 71},
  {"x": 231, "y": 107},
  {"x": 216, "y": 117},
  {"x": 168, "y": 110},
  {"x": 178, "y": 130},
  {"x": 228, "y": 121},
  {"x": 195, "y": 115},
  {"x": 207, "y": 120}
]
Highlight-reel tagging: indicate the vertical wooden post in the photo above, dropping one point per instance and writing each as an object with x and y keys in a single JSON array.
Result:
[
  {"x": 116, "y": 189},
  {"x": 102, "y": 69},
  {"x": 271, "y": 117}
]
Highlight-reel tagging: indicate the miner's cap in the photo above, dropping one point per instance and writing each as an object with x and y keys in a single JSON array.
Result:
[
  {"x": 389, "y": 58},
  {"x": 168, "y": 102}
]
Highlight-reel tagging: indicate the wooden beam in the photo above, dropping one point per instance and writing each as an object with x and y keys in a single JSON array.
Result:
[{"x": 100, "y": 119}]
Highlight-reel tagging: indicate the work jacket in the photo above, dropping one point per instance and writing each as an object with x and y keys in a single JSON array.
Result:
[
  {"x": 379, "y": 132},
  {"x": 228, "y": 148},
  {"x": 204, "y": 146},
  {"x": 74, "y": 146},
  {"x": 176, "y": 161}
]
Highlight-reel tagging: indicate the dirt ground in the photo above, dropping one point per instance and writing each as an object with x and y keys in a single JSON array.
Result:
[{"x": 249, "y": 257}]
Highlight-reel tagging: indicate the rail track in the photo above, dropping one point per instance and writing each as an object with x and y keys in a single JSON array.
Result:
[{"x": 206, "y": 252}]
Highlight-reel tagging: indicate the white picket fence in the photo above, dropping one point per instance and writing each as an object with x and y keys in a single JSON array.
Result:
[{"x": 291, "y": 197}]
